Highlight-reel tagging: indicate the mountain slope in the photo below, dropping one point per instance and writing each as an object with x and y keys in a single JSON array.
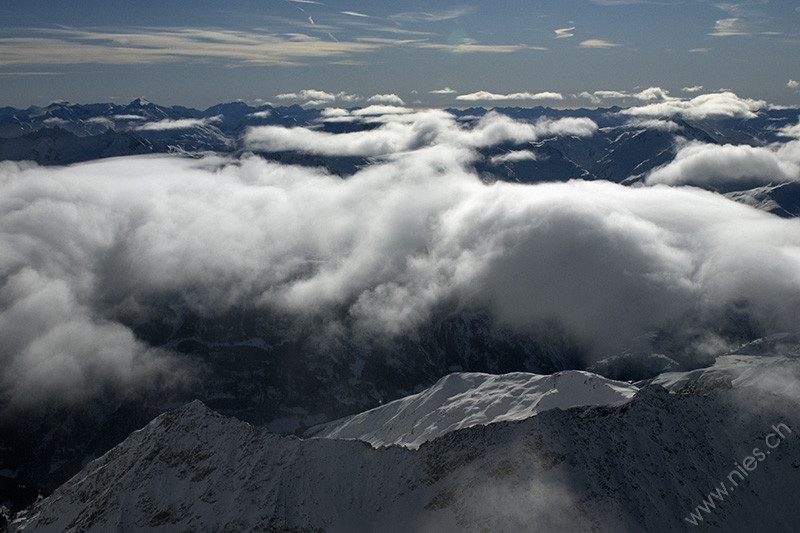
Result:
[
  {"x": 646, "y": 465},
  {"x": 467, "y": 399}
]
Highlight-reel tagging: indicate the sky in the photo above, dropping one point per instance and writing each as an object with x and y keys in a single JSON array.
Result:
[{"x": 561, "y": 53}]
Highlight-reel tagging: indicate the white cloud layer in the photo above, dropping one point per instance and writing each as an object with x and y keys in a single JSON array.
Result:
[
  {"x": 647, "y": 95},
  {"x": 178, "y": 124},
  {"x": 392, "y": 99},
  {"x": 514, "y": 156},
  {"x": 412, "y": 131},
  {"x": 489, "y": 97},
  {"x": 315, "y": 97},
  {"x": 387, "y": 247},
  {"x": 713, "y": 165},
  {"x": 723, "y": 104},
  {"x": 790, "y": 131},
  {"x": 654, "y": 124}
]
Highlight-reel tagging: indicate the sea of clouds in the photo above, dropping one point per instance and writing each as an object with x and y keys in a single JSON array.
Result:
[{"x": 415, "y": 232}]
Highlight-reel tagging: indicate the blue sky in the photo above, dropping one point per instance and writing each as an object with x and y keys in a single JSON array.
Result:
[{"x": 558, "y": 53}]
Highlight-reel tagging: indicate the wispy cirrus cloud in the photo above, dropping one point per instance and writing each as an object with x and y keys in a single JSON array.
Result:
[
  {"x": 73, "y": 46},
  {"x": 727, "y": 27},
  {"x": 468, "y": 46},
  {"x": 562, "y": 33},
  {"x": 432, "y": 16},
  {"x": 629, "y": 2},
  {"x": 151, "y": 46},
  {"x": 354, "y": 14}
]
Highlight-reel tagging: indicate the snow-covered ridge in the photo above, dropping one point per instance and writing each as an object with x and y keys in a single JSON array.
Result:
[
  {"x": 462, "y": 400},
  {"x": 642, "y": 466}
]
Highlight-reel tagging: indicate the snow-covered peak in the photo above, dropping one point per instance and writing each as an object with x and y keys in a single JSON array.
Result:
[
  {"x": 463, "y": 400},
  {"x": 649, "y": 465}
]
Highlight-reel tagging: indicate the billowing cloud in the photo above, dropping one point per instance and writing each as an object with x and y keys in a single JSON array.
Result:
[
  {"x": 692, "y": 89},
  {"x": 315, "y": 97},
  {"x": 649, "y": 94},
  {"x": 412, "y": 131},
  {"x": 790, "y": 131},
  {"x": 386, "y": 248},
  {"x": 713, "y": 165},
  {"x": 793, "y": 84},
  {"x": 723, "y": 104},
  {"x": 392, "y": 99},
  {"x": 489, "y": 97},
  {"x": 307, "y": 94},
  {"x": 610, "y": 94},
  {"x": 652, "y": 93}
]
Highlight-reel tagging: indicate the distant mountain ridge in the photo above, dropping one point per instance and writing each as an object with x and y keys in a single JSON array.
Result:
[{"x": 617, "y": 151}]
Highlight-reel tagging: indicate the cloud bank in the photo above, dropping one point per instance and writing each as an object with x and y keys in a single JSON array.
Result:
[
  {"x": 379, "y": 253},
  {"x": 715, "y": 105},
  {"x": 490, "y": 97},
  {"x": 712, "y": 165},
  {"x": 412, "y": 131}
]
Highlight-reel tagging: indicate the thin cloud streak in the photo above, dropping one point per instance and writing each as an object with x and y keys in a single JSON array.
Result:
[
  {"x": 598, "y": 43},
  {"x": 69, "y": 46}
]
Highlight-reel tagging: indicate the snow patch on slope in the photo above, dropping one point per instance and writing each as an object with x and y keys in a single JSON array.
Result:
[{"x": 463, "y": 400}]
